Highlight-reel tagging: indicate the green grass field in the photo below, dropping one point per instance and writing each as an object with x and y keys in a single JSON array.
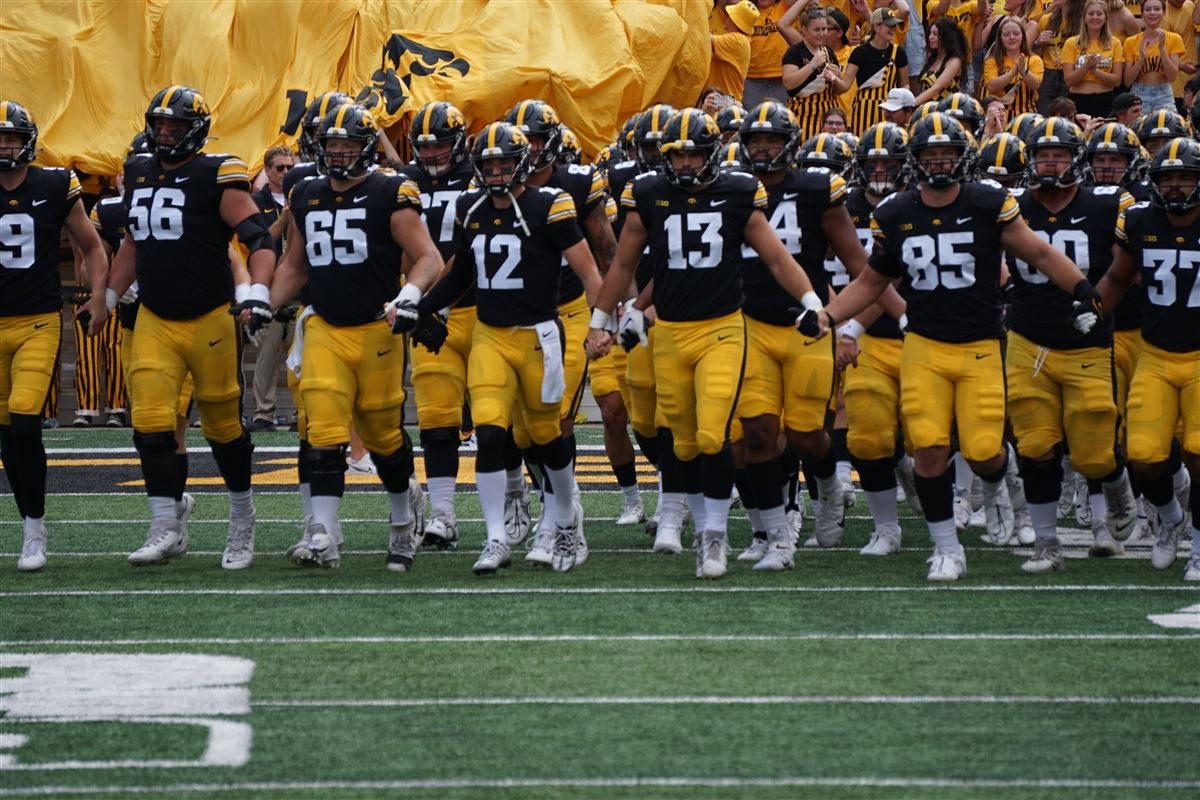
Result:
[{"x": 849, "y": 677}]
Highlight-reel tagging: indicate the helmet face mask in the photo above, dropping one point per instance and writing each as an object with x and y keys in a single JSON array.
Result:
[
  {"x": 769, "y": 137},
  {"x": 691, "y": 149},
  {"x": 1114, "y": 156},
  {"x": 540, "y": 124},
  {"x": 500, "y": 157},
  {"x": 939, "y": 151},
  {"x": 1056, "y": 134},
  {"x": 311, "y": 122},
  {"x": 438, "y": 138},
  {"x": 18, "y": 125},
  {"x": 882, "y": 158},
  {"x": 1175, "y": 176},
  {"x": 346, "y": 142},
  {"x": 182, "y": 105},
  {"x": 647, "y": 132}
]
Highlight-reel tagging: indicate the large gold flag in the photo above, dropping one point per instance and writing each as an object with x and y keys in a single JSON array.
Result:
[{"x": 87, "y": 69}]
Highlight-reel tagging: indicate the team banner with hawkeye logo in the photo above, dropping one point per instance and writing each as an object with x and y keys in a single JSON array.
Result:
[{"x": 86, "y": 70}]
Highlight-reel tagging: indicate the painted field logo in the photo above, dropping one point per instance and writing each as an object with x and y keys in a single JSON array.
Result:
[{"x": 184, "y": 690}]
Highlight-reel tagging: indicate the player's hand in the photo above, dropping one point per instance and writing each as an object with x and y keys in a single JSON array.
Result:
[
  {"x": 1087, "y": 308},
  {"x": 633, "y": 327},
  {"x": 431, "y": 332},
  {"x": 402, "y": 312},
  {"x": 598, "y": 343},
  {"x": 847, "y": 352},
  {"x": 93, "y": 315},
  {"x": 813, "y": 323}
]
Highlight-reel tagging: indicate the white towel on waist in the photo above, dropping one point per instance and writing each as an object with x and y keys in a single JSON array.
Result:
[
  {"x": 293, "y": 359},
  {"x": 553, "y": 381}
]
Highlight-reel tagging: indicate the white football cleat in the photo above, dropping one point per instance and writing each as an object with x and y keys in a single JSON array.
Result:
[
  {"x": 1166, "y": 546},
  {"x": 781, "y": 553},
  {"x": 566, "y": 547},
  {"x": 33, "y": 550},
  {"x": 947, "y": 564},
  {"x": 239, "y": 545},
  {"x": 1001, "y": 522},
  {"x": 1083, "y": 506},
  {"x": 885, "y": 541},
  {"x": 322, "y": 550},
  {"x": 1047, "y": 557},
  {"x": 756, "y": 550},
  {"x": 494, "y": 556},
  {"x": 906, "y": 479},
  {"x": 165, "y": 541},
  {"x": 441, "y": 531},
  {"x": 1192, "y": 572},
  {"x": 1104, "y": 545},
  {"x": 632, "y": 513},
  {"x": 1122, "y": 509},
  {"x": 402, "y": 546},
  {"x": 581, "y": 547},
  {"x": 669, "y": 536},
  {"x": 962, "y": 509},
  {"x": 831, "y": 519},
  {"x": 516, "y": 516},
  {"x": 795, "y": 518},
  {"x": 361, "y": 466},
  {"x": 710, "y": 554}
]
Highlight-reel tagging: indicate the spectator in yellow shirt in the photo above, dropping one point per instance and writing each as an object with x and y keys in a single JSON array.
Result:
[
  {"x": 764, "y": 77},
  {"x": 1011, "y": 71},
  {"x": 1152, "y": 60},
  {"x": 731, "y": 50},
  {"x": 1093, "y": 62}
]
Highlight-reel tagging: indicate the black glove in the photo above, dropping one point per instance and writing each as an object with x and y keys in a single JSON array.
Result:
[
  {"x": 260, "y": 315},
  {"x": 807, "y": 321},
  {"x": 1087, "y": 309},
  {"x": 431, "y": 332}
]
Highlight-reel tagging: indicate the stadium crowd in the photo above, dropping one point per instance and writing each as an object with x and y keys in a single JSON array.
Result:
[{"x": 963, "y": 269}]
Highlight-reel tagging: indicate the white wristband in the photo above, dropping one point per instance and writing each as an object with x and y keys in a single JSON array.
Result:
[
  {"x": 601, "y": 319},
  {"x": 110, "y": 298},
  {"x": 410, "y": 293},
  {"x": 241, "y": 293},
  {"x": 903, "y": 322},
  {"x": 811, "y": 302},
  {"x": 260, "y": 292},
  {"x": 851, "y": 330}
]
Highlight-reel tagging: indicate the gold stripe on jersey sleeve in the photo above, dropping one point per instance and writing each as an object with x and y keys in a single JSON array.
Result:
[
  {"x": 1009, "y": 209},
  {"x": 596, "y": 191},
  {"x": 232, "y": 170},
  {"x": 1126, "y": 201},
  {"x": 876, "y": 231},
  {"x": 627, "y": 201},
  {"x": 74, "y": 189},
  {"x": 1121, "y": 235},
  {"x": 610, "y": 209},
  {"x": 562, "y": 208},
  {"x": 94, "y": 216},
  {"x": 409, "y": 194},
  {"x": 760, "y": 196},
  {"x": 837, "y": 188}
]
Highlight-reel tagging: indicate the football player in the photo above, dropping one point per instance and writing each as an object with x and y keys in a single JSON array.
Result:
[
  {"x": 184, "y": 205},
  {"x": 695, "y": 219},
  {"x": 1159, "y": 127},
  {"x": 1059, "y": 380},
  {"x": 36, "y": 203},
  {"x": 942, "y": 238},
  {"x": 511, "y": 241},
  {"x": 442, "y": 170},
  {"x": 349, "y": 232},
  {"x": 1003, "y": 160},
  {"x": 1154, "y": 243}
]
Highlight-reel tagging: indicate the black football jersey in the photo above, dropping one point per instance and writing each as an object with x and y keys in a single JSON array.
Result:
[
  {"x": 696, "y": 241},
  {"x": 618, "y": 176},
  {"x": 305, "y": 169},
  {"x": 1168, "y": 261},
  {"x": 515, "y": 274},
  {"x": 108, "y": 218},
  {"x": 1128, "y": 316},
  {"x": 947, "y": 259},
  {"x": 31, "y": 222},
  {"x": 1083, "y": 232},
  {"x": 438, "y": 198},
  {"x": 353, "y": 261},
  {"x": 860, "y": 208},
  {"x": 585, "y": 184},
  {"x": 173, "y": 215},
  {"x": 794, "y": 209}
]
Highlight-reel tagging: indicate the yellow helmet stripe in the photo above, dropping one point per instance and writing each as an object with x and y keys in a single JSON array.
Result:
[
  {"x": 1003, "y": 144},
  {"x": 425, "y": 123},
  {"x": 522, "y": 109},
  {"x": 937, "y": 124},
  {"x": 1173, "y": 155},
  {"x": 4, "y": 111},
  {"x": 166, "y": 101},
  {"x": 1109, "y": 130},
  {"x": 492, "y": 135},
  {"x": 683, "y": 130},
  {"x": 762, "y": 114},
  {"x": 341, "y": 115},
  {"x": 878, "y": 137}
]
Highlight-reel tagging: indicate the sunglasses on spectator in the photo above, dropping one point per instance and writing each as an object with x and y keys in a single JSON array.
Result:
[{"x": 281, "y": 167}]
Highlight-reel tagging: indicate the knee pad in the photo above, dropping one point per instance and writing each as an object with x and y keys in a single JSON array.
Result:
[
  {"x": 877, "y": 474},
  {"x": 25, "y": 428},
  {"x": 303, "y": 466},
  {"x": 149, "y": 445},
  {"x": 323, "y": 461},
  {"x": 1043, "y": 479},
  {"x": 394, "y": 469},
  {"x": 710, "y": 443},
  {"x": 490, "y": 440},
  {"x": 434, "y": 438}
]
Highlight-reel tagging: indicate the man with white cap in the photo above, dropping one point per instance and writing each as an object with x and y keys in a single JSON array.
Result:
[{"x": 899, "y": 106}]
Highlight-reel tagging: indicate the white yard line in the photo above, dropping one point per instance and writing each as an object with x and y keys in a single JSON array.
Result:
[
  {"x": 593, "y": 638},
  {"x": 603, "y": 783}
]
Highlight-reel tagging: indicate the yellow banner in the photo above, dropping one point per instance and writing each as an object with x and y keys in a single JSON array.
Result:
[{"x": 87, "y": 69}]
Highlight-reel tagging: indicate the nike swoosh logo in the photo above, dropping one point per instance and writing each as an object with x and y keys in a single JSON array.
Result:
[
  {"x": 723, "y": 338},
  {"x": 214, "y": 342},
  {"x": 40, "y": 325},
  {"x": 716, "y": 203},
  {"x": 981, "y": 355},
  {"x": 382, "y": 353},
  {"x": 962, "y": 220},
  {"x": 1085, "y": 366},
  {"x": 454, "y": 182},
  {"x": 1077, "y": 220},
  {"x": 810, "y": 342},
  {"x": 537, "y": 348},
  {"x": 574, "y": 314},
  {"x": 37, "y": 203},
  {"x": 182, "y": 180},
  {"x": 360, "y": 198},
  {"x": 790, "y": 195},
  {"x": 547, "y": 334}
]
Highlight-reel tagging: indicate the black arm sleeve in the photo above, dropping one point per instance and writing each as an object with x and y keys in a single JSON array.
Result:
[{"x": 454, "y": 285}]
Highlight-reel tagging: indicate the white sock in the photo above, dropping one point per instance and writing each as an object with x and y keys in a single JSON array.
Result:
[
  {"x": 441, "y": 495},
  {"x": 755, "y": 517},
  {"x": 667, "y": 498},
  {"x": 401, "y": 507},
  {"x": 162, "y": 507},
  {"x": 1179, "y": 479},
  {"x": 883, "y": 508},
  {"x": 34, "y": 525},
  {"x": 325, "y": 511},
  {"x": 632, "y": 495},
  {"x": 564, "y": 503},
  {"x": 991, "y": 490},
  {"x": 773, "y": 518},
  {"x": 944, "y": 534},
  {"x": 514, "y": 480},
  {"x": 1171, "y": 513},
  {"x": 962, "y": 472},
  {"x": 241, "y": 504},
  {"x": 843, "y": 471},
  {"x": 827, "y": 486},
  {"x": 491, "y": 499},
  {"x": 306, "y": 499},
  {"x": 716, "y": 514},
  {"x": 1045, "y": 520},
  {"x": 1099, "y": 507},
  {"x": 699, "y": 510}
]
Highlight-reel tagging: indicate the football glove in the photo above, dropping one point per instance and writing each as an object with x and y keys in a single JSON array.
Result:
[
  {"x": 1087, "y": 309},
  {"x": 258, "y": 302},
  {"x": 405, "y": 304},
  {"x": 431, "y": 332},
  {"x": 632, "y": 330}
]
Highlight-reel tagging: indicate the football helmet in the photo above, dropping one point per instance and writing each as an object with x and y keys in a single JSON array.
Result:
[
  {"x": 181, "y": 103},
  {"x": 1022, "y": 124},
  {"x": 1056, "y": 132},
  {"x": 773, "y": 118},
  {"x": 939, "y": 130},
  {"x": 884, "y": 142},
  {"x": 923, "y": 111},
  {"x": 1113, "y": 137},
  {"x": 648, "y": 132},
  {"x": 1002, "y": 159},
  {"x": 321, "y": 105},
  {"x": 733, "y": 156},
  {"x": 729, "y": 120},
  {"x": 827, "y": 151},
  {"x": 569, "y": 152},
  {"x": 538, "y": 119},
  {"x": 1177, "y": 155},
  {"x": 1159, "y": 126},
  {"x": 138, "y": 146},
  {"x": 625, "y": 138},
  {"x": 15, "y": 119},
  {"x": 609, "y": 154},
  {"x": 354, "y": 123},
  {"x": 966, "y": 109},
  {"x": 439, "y": 122},
  {"x": 690, "y": 131},
  {"x": 496, "y": 141}
]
